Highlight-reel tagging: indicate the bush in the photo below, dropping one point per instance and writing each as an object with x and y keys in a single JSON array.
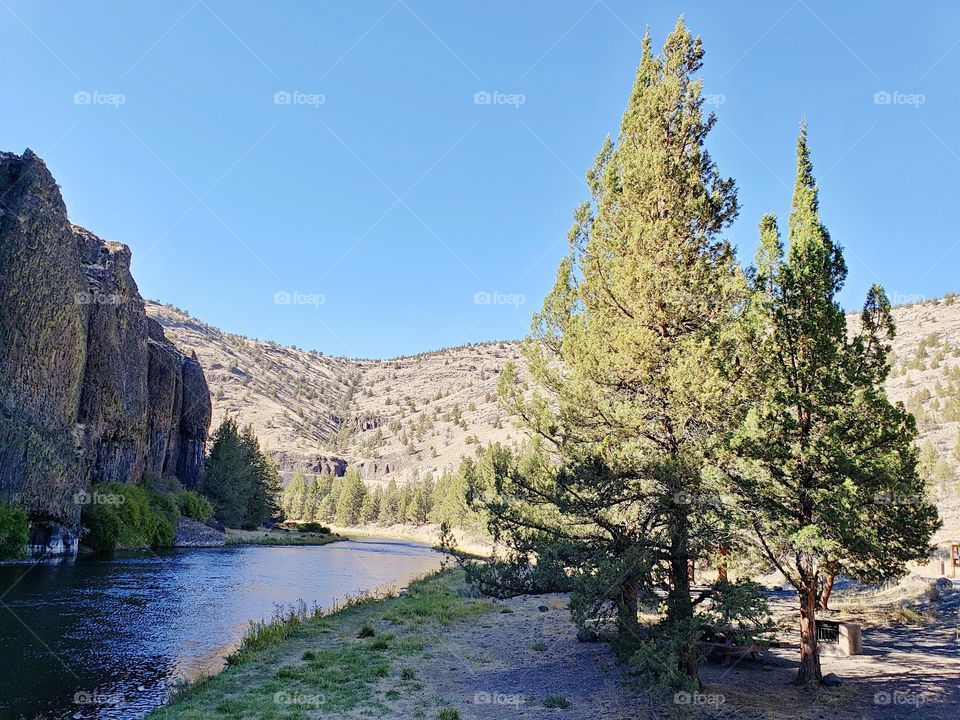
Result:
[
  {"x": 14, "y": 531},
  {"x": 313, "y": 527},
  {"x": 194, "y": 505},
  {"x": 130, "y": 516}
]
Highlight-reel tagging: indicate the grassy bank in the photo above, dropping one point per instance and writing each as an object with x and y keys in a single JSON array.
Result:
[
  {"x": 279, "y": 537},
  {"x": 323, "y": 665},
  {"x": 428, "y": 534}
]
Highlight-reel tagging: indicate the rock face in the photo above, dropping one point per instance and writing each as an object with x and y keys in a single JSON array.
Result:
[{"x": 90, "y": 388}]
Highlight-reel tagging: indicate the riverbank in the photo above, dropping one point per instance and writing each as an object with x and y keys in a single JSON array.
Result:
[
  {"x": 428, "y": 534},
  {"x": 278, "y": 536}
]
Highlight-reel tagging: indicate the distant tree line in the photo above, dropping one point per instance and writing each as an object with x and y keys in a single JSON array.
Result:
[{"x": 348, "y": 500}]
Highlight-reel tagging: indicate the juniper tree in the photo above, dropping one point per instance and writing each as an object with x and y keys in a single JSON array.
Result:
[
  {"x": 631, "y": 374},
  {"x": 828, "y": 465}
]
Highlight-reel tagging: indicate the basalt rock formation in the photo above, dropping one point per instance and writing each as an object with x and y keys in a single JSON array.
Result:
[{"x": 90, "y": 388}]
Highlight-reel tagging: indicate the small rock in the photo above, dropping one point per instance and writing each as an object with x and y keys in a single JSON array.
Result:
[{"x": 543, "y": 608}]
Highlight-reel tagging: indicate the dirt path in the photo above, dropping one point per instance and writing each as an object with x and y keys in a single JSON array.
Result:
[{"x": 506, "y": 664}]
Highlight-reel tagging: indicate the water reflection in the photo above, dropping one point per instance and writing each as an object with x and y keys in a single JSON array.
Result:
[{"x": 107, "y": 638}]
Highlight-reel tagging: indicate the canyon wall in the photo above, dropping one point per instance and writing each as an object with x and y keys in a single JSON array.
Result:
[{"x": 91, "y": 390}]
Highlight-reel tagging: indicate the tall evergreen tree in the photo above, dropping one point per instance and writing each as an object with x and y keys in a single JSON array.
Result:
[
  {"x": 350, "y": 501},
  {"x": 829, "y": 467},
  {"x": 241, "y": 481},
  {"x": 630, "y": 362},
  {"x": 227, "y": 475}
]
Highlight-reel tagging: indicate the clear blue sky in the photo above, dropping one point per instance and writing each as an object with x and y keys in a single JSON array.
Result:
[{"x": 398, "y": 198}]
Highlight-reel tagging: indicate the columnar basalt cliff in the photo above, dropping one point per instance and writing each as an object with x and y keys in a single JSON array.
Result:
[{"x": 90, "y": 388}]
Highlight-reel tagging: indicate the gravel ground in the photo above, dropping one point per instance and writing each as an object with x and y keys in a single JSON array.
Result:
[{"x": 506, "y": 664}]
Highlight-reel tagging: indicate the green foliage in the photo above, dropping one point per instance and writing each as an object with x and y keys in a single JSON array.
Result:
[
  {"x": 194, "y": 506},
  {"x": 350, "y": 501},
  {"x": 241, "y": 481},
  {"x": 828, "y": 471},
  {"x": 127, "y": 516},
  {"x": 631, "y": 366},
  {"x": 14, "y": 532},
  {"x": 313, "y": 527}
]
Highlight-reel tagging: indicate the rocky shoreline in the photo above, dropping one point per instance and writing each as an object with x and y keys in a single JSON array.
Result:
[{"x": 193, "y": 534}]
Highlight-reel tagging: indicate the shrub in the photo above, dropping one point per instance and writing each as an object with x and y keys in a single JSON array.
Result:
[
  {"x": 14, "y": 530},
  {"x": 117, "y": 514},
  {"x": 194, "y": 505},
  {"x": 313, "y": 527}
]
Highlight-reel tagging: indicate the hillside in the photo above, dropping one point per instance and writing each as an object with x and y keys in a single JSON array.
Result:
[
  {"x": 386, "y": 417},
  {"x": 391, "y": 417}
]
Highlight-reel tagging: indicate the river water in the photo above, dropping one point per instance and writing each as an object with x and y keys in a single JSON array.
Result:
[{"x": 107, "y": 638}]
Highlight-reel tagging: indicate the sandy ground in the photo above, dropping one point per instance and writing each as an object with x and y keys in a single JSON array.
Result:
[{"x": 506, "y": 664}]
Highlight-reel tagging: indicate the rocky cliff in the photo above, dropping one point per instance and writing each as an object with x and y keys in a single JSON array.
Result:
[{"x": 90, "y": 388}]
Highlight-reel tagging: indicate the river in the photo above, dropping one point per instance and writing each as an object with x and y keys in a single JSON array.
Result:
[{"x": 107, "y": 638}]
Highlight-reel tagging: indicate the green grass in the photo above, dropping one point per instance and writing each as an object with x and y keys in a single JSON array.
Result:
[
  {"x": 448, "y": 714},
  {"x": 309, "y": 663}
]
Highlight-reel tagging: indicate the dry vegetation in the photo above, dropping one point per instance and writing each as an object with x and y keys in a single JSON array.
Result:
[{"x": 420, "y": 413}]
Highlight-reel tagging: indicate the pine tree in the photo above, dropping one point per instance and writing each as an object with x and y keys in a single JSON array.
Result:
[
  {"x": 294, "y": 495},
  {"x": 829, "y": 475},
  {"x": 370, "y": 510},
  {"x": 630, "y": 363},
  {"x": 227, "y": 475},
  {"x": 390, "y": 506},
  {"x": 350, "y": 500}
]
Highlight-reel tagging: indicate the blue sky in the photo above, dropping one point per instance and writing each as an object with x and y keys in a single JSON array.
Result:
[{"x": 320, "y": 174}]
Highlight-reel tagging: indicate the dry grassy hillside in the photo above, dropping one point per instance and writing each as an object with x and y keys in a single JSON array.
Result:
[
  {"x": 926, "y": 378},
  {"x": 389, "y": 417}
]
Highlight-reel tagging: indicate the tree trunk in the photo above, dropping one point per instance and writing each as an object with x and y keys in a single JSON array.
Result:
[
  {"x": 825, "y": 592},
  {"x": 627, "y": 610},
  {"x": 809, "y": 671},
  {"x": 722, "y": 566},
  {"x": 679, "y": 603}
]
